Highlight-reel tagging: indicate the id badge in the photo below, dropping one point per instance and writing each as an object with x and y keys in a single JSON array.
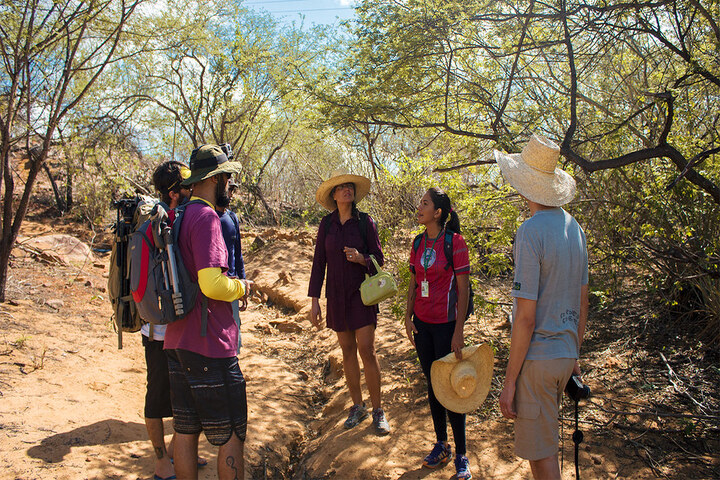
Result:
[{"x": 425, "y": 288}]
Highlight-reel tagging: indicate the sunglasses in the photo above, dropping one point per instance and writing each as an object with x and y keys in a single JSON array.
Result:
[{"x": 343, "y": 186}]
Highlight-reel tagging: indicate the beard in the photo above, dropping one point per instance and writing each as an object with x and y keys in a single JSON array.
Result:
[
  {"x": 183, "y": 199},
  {"x": 222, "y": 198}
]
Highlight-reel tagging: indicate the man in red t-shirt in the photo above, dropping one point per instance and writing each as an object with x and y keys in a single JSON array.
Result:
[{"x": 208, "y": 388}]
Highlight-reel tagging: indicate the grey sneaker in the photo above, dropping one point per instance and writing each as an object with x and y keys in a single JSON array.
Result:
[
  {"x": 357, "y": 414},
  {"x": 382, "y": 427}
]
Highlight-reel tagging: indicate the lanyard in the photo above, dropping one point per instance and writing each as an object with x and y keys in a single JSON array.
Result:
[{"x": 425, "y": 259}]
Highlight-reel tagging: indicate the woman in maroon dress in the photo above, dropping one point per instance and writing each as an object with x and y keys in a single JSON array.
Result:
[{"x": 346, "y": 239}]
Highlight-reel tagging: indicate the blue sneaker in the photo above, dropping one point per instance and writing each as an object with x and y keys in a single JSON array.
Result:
[
  {"x": 462, "y": 467},
  {"x": 357, "y": 414},
  {"x": 440, "y": 454}
]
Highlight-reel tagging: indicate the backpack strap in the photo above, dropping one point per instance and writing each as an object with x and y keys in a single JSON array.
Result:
[
  {"x": 448, "y": 249},
  {"x": 203, "y": 314},
  {"x": 364, "y": 220},
  {"x": 180, "y": 211},
  {"x": 416, "y": 242}
]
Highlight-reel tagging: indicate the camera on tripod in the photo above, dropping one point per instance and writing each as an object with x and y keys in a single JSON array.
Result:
[
  {"x": 577, "y": 390},
  {"x": 227, "y": 150},
  {"x": 126, "y": 207}
]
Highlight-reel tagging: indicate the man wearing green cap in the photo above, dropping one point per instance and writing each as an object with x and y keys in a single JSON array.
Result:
[{"x": 207, "y": 386}]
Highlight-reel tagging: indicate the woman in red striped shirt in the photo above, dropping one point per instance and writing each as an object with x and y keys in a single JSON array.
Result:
[{"x": 436, "y": 310}]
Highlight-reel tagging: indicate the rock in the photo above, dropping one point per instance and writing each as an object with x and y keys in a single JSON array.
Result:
[
  {"x": 597, "y": 460},
  {"x": 88, "y": 283},
  {"x": 263, "y": 329},
  {"x": 98, "y": 265},
  {"x": 286, "y": 326},
  {"x": 101, "y": 289},
  {"x": 303, "y": 375},
  {"x": 283, "y": 278},
  {"x": 55, "y": 303},
  {"x": 60, "y": 248},
  {"x": 333, "y": 369},
  {"x": 259, "y": 242}
]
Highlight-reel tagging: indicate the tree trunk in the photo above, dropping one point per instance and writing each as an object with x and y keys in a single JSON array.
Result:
[
  {"x": 69, "y": 190},
  {"x": 61, "y": 206},
  {"x": 4, "y": 264}
]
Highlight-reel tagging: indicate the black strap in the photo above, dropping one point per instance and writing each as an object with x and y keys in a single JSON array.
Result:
[
  {"x": 204, "y": 314},
  {"x": 577, "y": 437},
  {"x": 448, "y": 249}
]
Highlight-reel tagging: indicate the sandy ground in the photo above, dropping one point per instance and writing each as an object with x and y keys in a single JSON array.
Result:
[{"x": 71, "y": 403}]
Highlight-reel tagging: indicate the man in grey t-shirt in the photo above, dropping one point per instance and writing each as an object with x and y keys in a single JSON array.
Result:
[{"x": 550, "y": 296}]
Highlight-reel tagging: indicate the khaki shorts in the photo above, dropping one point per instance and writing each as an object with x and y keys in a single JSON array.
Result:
[{"x": 538, "y": 392}]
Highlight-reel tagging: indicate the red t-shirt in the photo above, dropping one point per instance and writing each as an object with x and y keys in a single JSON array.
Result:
[
  {"x": 428, "y": 263},
  {"x": 202, "y": 246}
]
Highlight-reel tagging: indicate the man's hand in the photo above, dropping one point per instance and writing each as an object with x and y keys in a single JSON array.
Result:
[
  {"x": 248, "y": 288},
  {"x": 507, "y": 400},
  {"x": 576, "y": 368}
]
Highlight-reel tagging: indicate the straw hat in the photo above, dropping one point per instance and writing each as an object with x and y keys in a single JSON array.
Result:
[
  {"x": 323, "y": 194},
  {"x": 535, "y": 175},
  {"x": 461, "y": 386},
  {"x": 207, "y": 161}
]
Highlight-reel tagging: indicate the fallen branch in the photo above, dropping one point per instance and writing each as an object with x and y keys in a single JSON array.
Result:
[
  {"x": 672, "y": 376},
  {"x": 41, "y": 255}
]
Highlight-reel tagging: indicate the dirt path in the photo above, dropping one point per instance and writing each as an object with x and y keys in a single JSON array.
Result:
[{"x": 71, "y": 403}]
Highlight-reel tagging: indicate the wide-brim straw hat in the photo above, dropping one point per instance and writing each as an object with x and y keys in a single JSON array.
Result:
[
  {"x": 207, "y": 161},
  {"x": 461, "y": 386},
  {"x": 535, "y": 175},
  {"x": 324, "y": 192}
]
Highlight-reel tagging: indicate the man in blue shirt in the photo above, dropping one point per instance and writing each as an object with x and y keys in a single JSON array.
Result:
[
  {"x": 231, "y": 234},
  {"x": 550, "y": 293}
]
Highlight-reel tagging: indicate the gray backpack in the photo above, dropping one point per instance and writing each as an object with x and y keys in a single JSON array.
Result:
[{"x": 161, "y": 286}]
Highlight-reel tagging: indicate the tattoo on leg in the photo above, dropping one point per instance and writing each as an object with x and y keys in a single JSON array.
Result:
[
  {"x": 230, "y": 462},
  {"x": 159, "y": 452}
]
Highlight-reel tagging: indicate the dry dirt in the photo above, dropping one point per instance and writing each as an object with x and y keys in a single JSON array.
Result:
[{"x": 71, "y": 403}]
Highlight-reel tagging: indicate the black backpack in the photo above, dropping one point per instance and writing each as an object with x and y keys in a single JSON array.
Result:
[{"x": 448, "y": 251}]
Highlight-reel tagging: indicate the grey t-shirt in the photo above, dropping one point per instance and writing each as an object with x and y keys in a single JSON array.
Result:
[{"x": 551, "y": 266}]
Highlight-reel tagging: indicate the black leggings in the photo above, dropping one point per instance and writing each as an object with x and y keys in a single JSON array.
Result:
[{"x": 432, "y": 342}]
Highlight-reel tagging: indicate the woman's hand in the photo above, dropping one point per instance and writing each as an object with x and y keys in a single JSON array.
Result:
[
  {"x": 457, "y": 343},
  {"x": 353, "y": 255},
  {"x": 316, "y": 313},
  {"x": 410, "y": 330}
]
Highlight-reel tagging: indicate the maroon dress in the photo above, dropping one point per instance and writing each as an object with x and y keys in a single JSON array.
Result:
[{"x": 345, "y": 309}]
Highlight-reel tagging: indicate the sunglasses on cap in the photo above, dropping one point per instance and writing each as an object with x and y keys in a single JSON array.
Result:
[{"x": 184, "y": 173}]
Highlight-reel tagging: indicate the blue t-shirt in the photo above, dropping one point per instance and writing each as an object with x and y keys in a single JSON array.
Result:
[
  {"x": 551, "y": 266},
  {"x": 231, "y": 234}
]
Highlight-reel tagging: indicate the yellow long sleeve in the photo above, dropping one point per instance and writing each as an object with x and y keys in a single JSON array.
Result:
[{"x": 215, "y": 285}]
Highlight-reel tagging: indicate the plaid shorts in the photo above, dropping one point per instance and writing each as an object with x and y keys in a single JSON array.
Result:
[{"x": 208, "y": 394}]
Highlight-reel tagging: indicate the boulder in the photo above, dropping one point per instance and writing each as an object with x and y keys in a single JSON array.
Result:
[{"x": 60, "y": 248}]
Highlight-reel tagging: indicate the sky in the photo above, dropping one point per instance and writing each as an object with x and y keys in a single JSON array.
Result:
[{"x": 327, "y": 12}]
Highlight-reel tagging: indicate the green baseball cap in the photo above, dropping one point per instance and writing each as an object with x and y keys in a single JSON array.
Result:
[{"x": 207, "y": 161}]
